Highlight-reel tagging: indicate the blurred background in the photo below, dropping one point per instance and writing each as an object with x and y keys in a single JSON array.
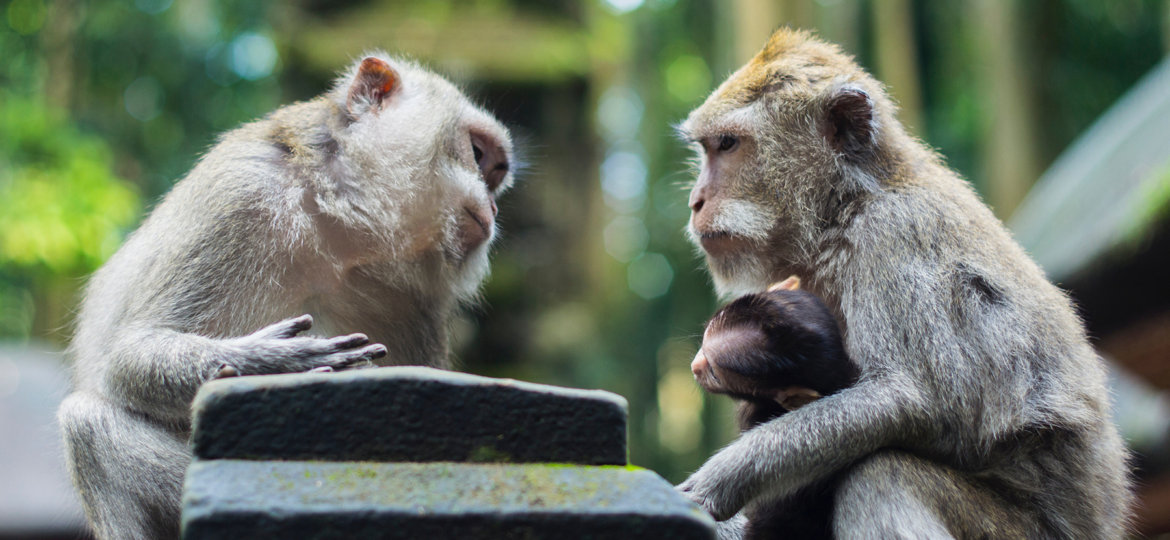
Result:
[{"x": 1058, "y": 111}]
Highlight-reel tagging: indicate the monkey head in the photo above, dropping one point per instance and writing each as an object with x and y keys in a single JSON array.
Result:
[
  {"x": 419, "y": 168},
  {"x": 782, "y": 144},
  {"x": 780, "y": 346}
]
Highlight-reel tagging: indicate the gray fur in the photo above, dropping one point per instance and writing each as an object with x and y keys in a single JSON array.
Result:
[
  {"x": 982, "y": 409},
  {"x": 349, "y": 207}
]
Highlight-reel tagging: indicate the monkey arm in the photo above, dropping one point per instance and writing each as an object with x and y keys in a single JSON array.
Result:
[
  {"x": 158, "y": 370},
  {"x": 787, "y": 453},
  {"x": 732, "y": 528}
]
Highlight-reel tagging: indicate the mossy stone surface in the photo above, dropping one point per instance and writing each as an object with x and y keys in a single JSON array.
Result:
[{"x": 255, "y": 499}]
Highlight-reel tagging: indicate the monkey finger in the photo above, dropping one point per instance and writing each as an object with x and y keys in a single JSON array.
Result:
[
  {"x": 351, "y": 341},
  {"x": 285, "y": 329},
  {"x": 351, "y": 357},
  {"x": 289, "y": 327}
]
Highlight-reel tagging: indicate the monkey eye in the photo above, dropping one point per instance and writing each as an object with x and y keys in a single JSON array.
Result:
[{"x": 727, "y": 142}]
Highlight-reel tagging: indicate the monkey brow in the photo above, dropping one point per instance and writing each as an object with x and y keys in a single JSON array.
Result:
[{"x": 682, "y": 132}]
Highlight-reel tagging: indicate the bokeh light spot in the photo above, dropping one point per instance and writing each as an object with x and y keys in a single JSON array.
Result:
[
  {"x": 619, "y": 112},
  {"x": 626, "y": 238},
  {"x": 623, "y": 6},
  {"x": 26, "y": 16},
  {"x": 154, "y": 7},
  {"x": 623, "y": 178},
  {"x": 253, "y": 56},
  {"x": 143, "y": 98},
  {"x": 650, "y": 275},
  {"x": 687, "y": 78}
]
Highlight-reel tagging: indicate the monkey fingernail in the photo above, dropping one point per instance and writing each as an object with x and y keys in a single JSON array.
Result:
[
  {"x": 302, "y": 323},
  {"x": 227, "y": 371},
  {"x": 351, "y": 341}
]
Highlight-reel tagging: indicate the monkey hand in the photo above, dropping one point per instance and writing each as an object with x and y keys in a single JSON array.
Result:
[
  {"x": 714, "y": 487},
  {"x": 278, "y": 349}
]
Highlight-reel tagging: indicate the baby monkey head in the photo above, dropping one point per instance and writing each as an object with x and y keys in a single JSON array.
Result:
[
  {"x": 782, "y": 144},
  {"x": 780, "y": 346}
]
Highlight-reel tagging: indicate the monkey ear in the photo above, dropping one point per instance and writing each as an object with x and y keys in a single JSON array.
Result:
[
  {"x": 791, "y": 283},
  {"x": 375, "y": 81},
  {"x": 849, "y": 122}
]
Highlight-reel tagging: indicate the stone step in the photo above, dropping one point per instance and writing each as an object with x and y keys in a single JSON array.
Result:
[
  {"x": 243, "y": 499},
  {"x": 408, "y": 414}
]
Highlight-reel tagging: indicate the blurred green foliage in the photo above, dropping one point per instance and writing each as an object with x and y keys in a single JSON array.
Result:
[
  {"x": 62, "y": 210},
  {"x": 103, "y": 106}
]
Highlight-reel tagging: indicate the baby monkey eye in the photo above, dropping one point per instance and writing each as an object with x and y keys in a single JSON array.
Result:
[{"x": 727, "y": 142}]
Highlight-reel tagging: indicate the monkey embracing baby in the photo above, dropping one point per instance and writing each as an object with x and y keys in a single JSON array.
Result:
[
  {"x": 774, "y": 352},
  {"x": 368, "y": 208},
  {"x": 980, "y": 408}
]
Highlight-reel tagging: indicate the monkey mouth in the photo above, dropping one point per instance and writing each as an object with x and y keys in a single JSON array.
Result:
[
  {"x": 720, "y": 242},
  {"x": 475, "y": 228}
]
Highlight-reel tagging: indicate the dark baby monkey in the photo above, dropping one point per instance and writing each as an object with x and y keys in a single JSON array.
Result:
[{"x": 774, "y": 352}]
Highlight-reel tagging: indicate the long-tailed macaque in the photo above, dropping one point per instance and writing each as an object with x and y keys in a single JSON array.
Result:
[
  {"x": 369, "y": 208},
  {"x": 774, "y": 352},
  {"x": 981, "y": 409}
]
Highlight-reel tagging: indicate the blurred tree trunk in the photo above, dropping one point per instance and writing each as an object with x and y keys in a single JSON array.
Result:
[
  {"x": 837, "y": 22},
  {"x": 1009, "y": 142},
  {"x": 615, "y": 55},
  {"x": 1166, "y": 26},
  {"x": 897, "y": 59},
  {"x": 753, "y": 22},
  {"x": 795, "y": 13},
  {"x": 57, "y": 40}
]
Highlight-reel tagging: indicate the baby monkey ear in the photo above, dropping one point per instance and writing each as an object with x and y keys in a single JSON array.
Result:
[
  {"x": 849, "y": 123},
  {"x": 375, "y": 81},
  {"x": 791, "y": 283}
]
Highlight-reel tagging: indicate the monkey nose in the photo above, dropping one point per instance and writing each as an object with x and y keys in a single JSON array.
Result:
[
  {"x": 696, "y": 202},
  {"x": 699, "y": 364}
]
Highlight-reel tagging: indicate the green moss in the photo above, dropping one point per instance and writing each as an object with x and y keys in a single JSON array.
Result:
[{"x": 489, "y": 454}]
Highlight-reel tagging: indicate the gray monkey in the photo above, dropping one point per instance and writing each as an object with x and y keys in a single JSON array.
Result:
[
  {"x": 368, "y": 208},
  {"x": 981, "y": 409}
]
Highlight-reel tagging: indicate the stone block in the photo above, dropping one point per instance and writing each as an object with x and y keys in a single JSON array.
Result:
[
  {"x": 435, "y": 501},
  {"x": 406, "y": 414}
]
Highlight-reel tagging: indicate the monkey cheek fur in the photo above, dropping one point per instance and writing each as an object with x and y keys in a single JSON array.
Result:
[
  {"x": 734, "y": 268},
  {"x": 475, "y": 228}
]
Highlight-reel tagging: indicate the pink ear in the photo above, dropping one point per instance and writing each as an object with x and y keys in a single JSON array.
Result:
[
  {"x": 791, "y": 283},
  {"x": 375, "y": 81}
]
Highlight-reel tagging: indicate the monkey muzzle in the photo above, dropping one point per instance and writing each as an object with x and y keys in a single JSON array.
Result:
[{"x": 475, "y": 226}]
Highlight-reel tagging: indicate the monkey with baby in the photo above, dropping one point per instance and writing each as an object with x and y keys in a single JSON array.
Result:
[{"x": 979, "y": 408}]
